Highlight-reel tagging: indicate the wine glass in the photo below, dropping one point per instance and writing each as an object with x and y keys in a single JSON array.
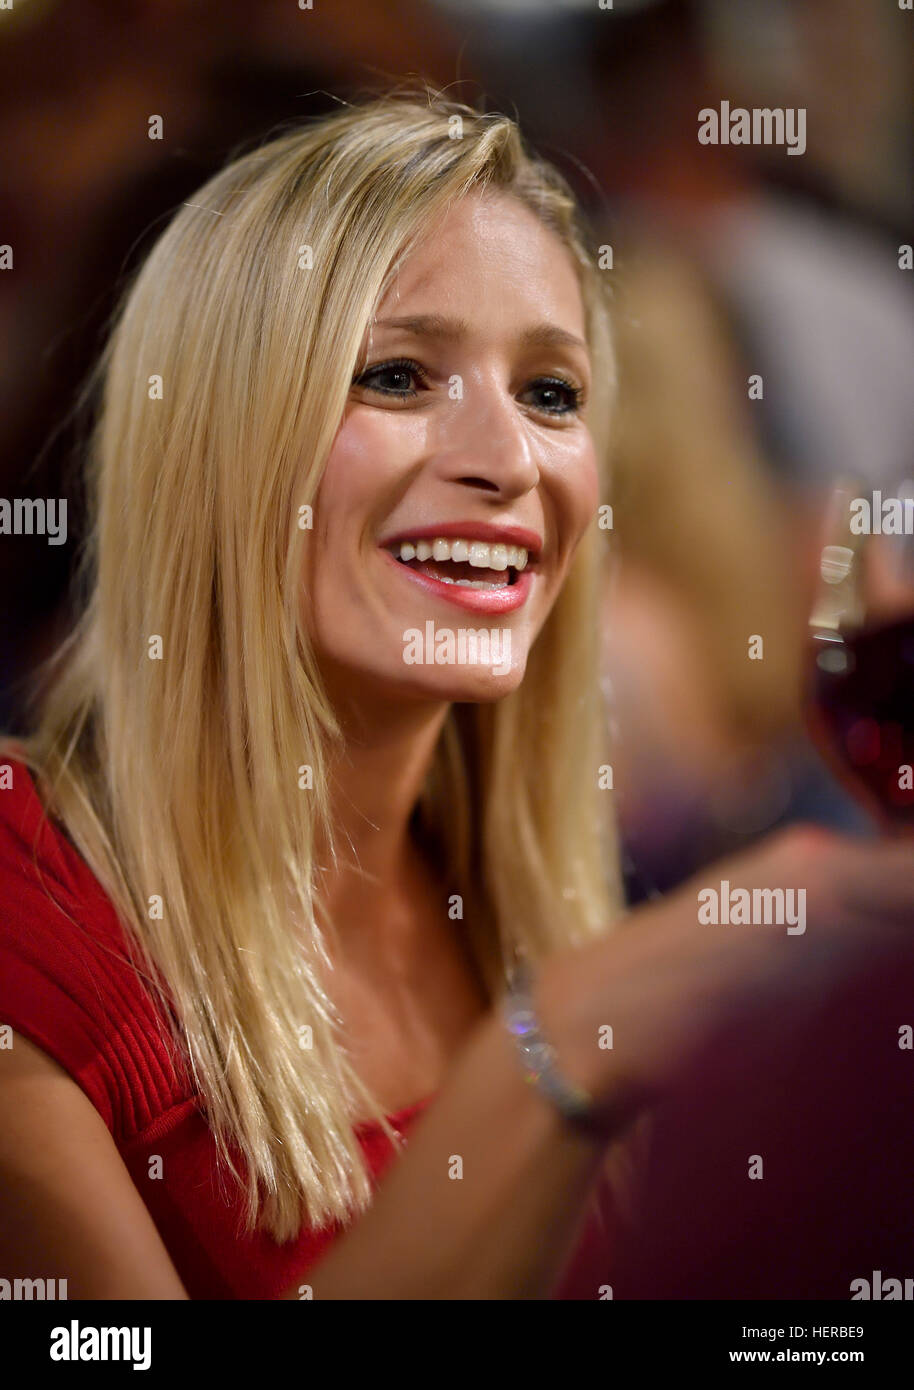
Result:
[{"x": 859, "y": 698}]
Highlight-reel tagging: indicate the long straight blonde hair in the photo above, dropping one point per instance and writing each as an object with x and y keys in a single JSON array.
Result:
[{"x": 182, "y": 780}]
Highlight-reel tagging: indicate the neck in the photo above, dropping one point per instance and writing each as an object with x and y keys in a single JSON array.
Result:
[{"x": 376, "y": 778}]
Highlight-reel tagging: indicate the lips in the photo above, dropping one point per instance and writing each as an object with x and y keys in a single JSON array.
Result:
[
  {"x": 476, "y": 565},
  {"x": 503, "y": 598}
]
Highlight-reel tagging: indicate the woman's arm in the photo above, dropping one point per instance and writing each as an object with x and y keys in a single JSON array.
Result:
[
  {"x": 68, "y": 1207},
  {"x": 504, "y": 1228}
]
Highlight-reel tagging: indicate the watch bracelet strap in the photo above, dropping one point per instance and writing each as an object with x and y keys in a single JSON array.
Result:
[{"x": 537, "y": 1056}]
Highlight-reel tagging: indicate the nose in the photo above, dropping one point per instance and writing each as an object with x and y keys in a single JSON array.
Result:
[{"x": 484, "y": 443}]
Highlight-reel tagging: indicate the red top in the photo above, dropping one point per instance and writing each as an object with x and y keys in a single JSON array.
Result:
[{"x": 67, "y": 986}]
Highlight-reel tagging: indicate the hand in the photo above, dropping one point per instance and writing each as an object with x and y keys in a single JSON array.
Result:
[{"x": 663, "y": 978}]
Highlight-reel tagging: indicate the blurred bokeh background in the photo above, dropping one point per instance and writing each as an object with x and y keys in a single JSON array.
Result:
[{"x": 728, "y": 261}]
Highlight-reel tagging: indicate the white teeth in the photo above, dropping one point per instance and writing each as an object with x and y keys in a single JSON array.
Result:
[
  {"x": 468, "y": 583},
  {"x": 478, "y": 553}
]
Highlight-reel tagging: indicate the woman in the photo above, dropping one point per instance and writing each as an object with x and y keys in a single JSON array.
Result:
[{"x": 355, "y": 405}]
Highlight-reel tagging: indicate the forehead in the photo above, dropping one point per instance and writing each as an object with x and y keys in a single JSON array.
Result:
[{"x": 486, "y": 257}]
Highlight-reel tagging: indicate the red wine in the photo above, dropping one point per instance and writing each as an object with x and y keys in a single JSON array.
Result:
[{"x": 860, "y": 713}]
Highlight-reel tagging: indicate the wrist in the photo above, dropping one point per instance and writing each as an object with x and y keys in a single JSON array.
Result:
[
  {"x": 576, "y": 1045},
  {"x": 581, "y": 1056},
  {"x": 535, "y": 1052}
]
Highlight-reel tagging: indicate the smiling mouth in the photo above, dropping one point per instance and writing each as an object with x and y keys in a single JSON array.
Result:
[{"x": 467, "y": 563}]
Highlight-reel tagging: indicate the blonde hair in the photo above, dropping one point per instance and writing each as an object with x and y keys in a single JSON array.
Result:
[{"x": 182, "y": 777}]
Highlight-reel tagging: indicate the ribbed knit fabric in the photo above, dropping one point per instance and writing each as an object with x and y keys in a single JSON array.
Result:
[{"x": 67, "y": 985}]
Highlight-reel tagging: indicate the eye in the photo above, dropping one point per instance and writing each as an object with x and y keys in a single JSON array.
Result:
[
  {"x": 400, "y": 370},
  {"x": 558, "y": 396}
]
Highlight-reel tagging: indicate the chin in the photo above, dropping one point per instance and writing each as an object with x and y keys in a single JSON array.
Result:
[
  {"x": 483, "y": 687},
  {"x": 458, "y": 685}
]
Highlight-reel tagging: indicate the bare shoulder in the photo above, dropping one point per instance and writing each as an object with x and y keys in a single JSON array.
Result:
[{"x": 68, "y": 1206}]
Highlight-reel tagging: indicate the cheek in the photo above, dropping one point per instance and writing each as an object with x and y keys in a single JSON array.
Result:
[
  {"x": 346, "y": 486},
  {"x": 361, "y": 481},
  {"x": 347, "y": 498},
  {"x": 370, "y": 460},
  {"x": 590, "y": 487},
  {"x": 339, "y": 513},
  {"x": 580, "y": 491}
]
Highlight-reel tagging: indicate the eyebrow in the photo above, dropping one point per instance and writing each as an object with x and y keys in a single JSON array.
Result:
[{"x": 437, "y": 326}]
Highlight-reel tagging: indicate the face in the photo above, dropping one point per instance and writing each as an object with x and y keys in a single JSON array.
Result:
[{"x": 463, "y": 474}]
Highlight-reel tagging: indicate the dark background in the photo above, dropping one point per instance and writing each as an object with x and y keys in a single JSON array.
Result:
[{"x": 806, "y": 289}]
